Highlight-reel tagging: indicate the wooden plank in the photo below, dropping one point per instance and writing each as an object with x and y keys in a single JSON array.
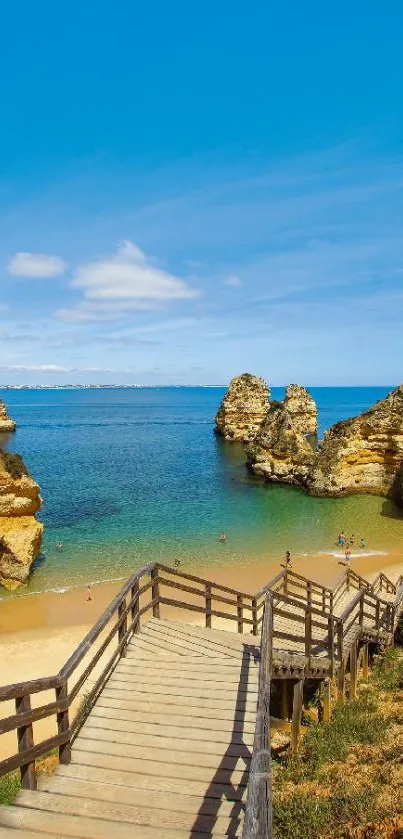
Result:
[
  {"x": 201, "y": 692},
  {"x": 353, "y": 671},
  {"x": 177, "y": 641},
  {"x": 327, "y": 700},
  {"x": 186, "y": 732},
  {"x": 171, "y": 702},
  {"x": 171, "y": 644},
  {"x": 68, "y": 804},
  {"x": 183, "y": 709},
  {"x": 210, "y": 722},
  {"x": 173, "y": 572},
  {"x": 219, "y": 645},
  {"x": 34, "y": 686},
  {"x": 97, "y": 769},
  {"x": 365, "y": 663},
  {"x": 139, "y": 798},
  {"x": 14, "y": 762},
  {"x": 79, "y": 826},
  {"x": 161, "y": 770},
  {"x": 34, "y": 714},
  {"x": 228, "y": 757},
  {"x": 177, "y": 677}
]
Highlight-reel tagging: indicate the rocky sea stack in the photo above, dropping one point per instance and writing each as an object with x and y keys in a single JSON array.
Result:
[
  {"x": 243, "y": 408},
  {"x": 302, "y": 409},
  {"x": 20, "y": 532},
  {"x": 280, "y": 452},
  {"x": 6, "y": 423},
  {"x": 364, "y": 453}
]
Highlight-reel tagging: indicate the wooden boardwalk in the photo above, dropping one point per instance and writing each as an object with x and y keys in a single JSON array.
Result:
[
  {"x": 171, "y": 739},
  {"x": 166, "y": 749}
]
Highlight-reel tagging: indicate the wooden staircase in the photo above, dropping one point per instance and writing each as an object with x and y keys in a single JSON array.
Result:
[{"x": 177, "y": 724}]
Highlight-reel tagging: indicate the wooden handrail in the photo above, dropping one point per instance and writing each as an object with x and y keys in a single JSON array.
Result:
[{"x": 258, "y": 814}]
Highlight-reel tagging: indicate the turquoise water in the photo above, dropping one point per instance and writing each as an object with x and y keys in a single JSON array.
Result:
[{"x": 129, "y": 476}]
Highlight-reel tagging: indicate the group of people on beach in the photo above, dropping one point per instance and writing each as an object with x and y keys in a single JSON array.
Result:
[{"x": 348, "y": 545}]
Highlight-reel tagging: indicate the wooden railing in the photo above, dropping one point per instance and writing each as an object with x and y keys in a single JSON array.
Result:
[
  {"x": 258, "y": 815},
  {"x": 302, "y": 621}
]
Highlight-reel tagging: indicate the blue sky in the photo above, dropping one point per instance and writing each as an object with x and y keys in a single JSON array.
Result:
[{"x": 191, "y": 191}]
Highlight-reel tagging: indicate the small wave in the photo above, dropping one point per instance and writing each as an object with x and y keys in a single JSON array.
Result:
[{"x": 354, "y": 551}]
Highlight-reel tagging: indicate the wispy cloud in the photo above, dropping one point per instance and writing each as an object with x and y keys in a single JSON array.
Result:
[
  {"x": 125, "y": 282},
  {"x": 35, "y": 265},
  {"x": 232, "y": 280}
]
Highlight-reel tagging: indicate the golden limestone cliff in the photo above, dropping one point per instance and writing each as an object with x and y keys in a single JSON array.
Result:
[
  {"x": 280, "y": 452},
  {"x": 363, "y": 454},
  {"x": 243, "y": 408},
  {"x": 6, "y": 423},
  {"x": 302, "y": 409},
  {"x": 20, "y": 532}
]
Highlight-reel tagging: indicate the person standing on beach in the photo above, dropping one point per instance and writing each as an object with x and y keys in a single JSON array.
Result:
[
  {"x": 347, "y": 555},
  {"x": 287, "y": 560},
  {"x": 88, "y": 596}
]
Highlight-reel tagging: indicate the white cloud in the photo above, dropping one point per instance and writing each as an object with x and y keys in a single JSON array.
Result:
[
  {"x": 232, "y": 280},
  {"x": 35, "y": 265},
  {"x": 124, "y": 282},
  {"x": 34, "y": 368}
]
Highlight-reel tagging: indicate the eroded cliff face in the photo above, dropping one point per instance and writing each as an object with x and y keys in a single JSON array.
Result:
[
  {"x": 243, "y": 408},
  {"x": 302, "y": 409},
  {"x": 280, "y": 452},
  {"x": 20, "y": 532},
  {"x": 6, "y": 423},
  {"x": 362, "y": 454}
]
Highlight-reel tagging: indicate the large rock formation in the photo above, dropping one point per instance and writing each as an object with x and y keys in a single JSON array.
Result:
[
  {"x": 280, "y": 452},
  {"x": 364, "y": 453},
  {"x": 243, "y": 408},
  {"x": 6, "y": 423},
  {"x": 302, "y": 409},
  {"x": 20, "y": 532}
]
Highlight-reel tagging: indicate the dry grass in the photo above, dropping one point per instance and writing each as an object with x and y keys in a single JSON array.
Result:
[{"x": 348, "y": 781}]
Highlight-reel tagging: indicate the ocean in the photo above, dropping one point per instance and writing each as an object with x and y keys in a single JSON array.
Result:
[{"x": 133, "y": 475}]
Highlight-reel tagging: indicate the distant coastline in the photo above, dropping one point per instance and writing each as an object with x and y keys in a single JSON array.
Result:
[{"x": 103, "y": 387}]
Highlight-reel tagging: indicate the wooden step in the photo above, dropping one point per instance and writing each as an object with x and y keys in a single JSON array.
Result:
[
  {"x": 160, "y": 722},
  {"x": 117, "y": 812},
  {"x": 98, "y": 768},
  {"x": 183, "y": 639},
  {"x": 185, "y": 752},
  {"x": 114, "y": 793},
  {"x": 86, "y": 827},
  {"x": 201, "y": 691},
  {"x": 169, "y": 677},
  {"x": 105, "y": 755},
  {"x": 112, "y": 699},
  {"x": 101, "y": 720}
]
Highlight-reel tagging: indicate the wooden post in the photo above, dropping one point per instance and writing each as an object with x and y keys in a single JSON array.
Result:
[
  {"x": 361, "y": 617},
  {"x": 135, "y": 606},
  {"x": 331, "y": 603},
  {"x": 208, "y": 605},
  {"x": 327, "y": 700},
  {"x": 285, "y": 582},
  {"x": 284, "y": 699},
  {"x": 254, "y": 617},
  {"x": 377, "y": 615},
  {"x": 365, "y": 663},
  {"x": 330, "y": 642},
  {"x": 297, "y": 704},
  {"x": 323, "y": 600},
  {"x": 123, "y": 626},
  {"x": 348, "y": 580},
  {"x": 308, "y": 633},
  {"x": 341, "y": 681},
  {"x": 340, "y": 641},
  {"x": 309, "y": 592},
  {"x": 63, "y": 725},
  {"x": 25, "y": 739},
  {"x": 353, "y": 672},
  {"x": 239, "y": 609},
  {"x": 155, "y": 592}
]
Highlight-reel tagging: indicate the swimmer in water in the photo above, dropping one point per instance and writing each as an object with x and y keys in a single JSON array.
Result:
[
  {"x": 223, "y": 537},
  {"x": 59, "y": 546}
]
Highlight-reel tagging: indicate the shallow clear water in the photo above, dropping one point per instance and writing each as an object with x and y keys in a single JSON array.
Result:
[{"x": 129, "y": 476}]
